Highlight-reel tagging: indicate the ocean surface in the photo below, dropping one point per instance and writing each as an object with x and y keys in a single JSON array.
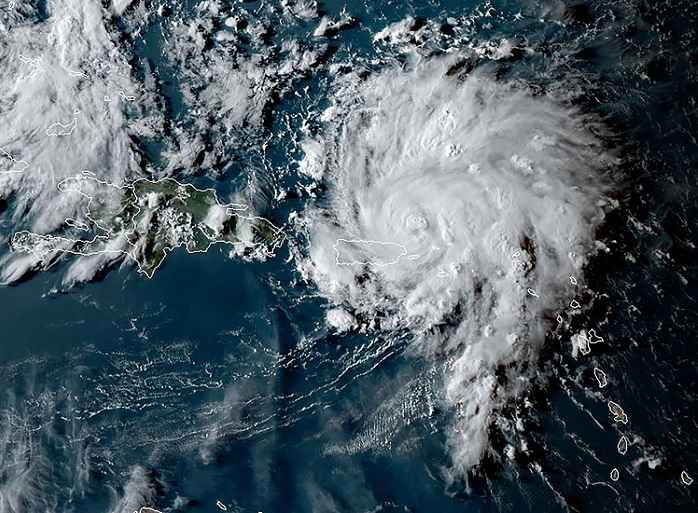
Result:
[{"x": 219, "y": 384}]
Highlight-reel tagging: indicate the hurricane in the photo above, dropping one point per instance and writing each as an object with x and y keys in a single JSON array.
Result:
[
  {"x": 456, "y": 207},
  {"x": 308, "y": 256}
]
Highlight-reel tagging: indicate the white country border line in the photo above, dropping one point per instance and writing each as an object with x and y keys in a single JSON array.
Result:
[
  {"x": 231, "y": 209},
  {"x": 403, "y": 252},
  {"x": 22, "y": 163},
  {"x": 59, "y": 129}
]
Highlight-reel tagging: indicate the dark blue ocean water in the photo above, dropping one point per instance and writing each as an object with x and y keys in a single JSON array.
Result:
[{"x": 218, "y": 380}]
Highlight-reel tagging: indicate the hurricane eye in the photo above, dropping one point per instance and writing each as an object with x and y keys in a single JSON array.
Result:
[{"x": 416, "y": 222}]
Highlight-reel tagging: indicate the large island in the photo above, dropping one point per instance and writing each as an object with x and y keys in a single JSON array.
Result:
[{"x": 146, "y": 220}]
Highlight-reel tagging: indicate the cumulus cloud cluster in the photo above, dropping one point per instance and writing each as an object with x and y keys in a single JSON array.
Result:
[
  {"x": 77, "y": 94},
  {"x": 68, "y": 99},
  {"x": 457, "y": 207}
]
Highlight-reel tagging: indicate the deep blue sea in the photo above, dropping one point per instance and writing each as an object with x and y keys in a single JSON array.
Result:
[{"x": 218, "y": 380}]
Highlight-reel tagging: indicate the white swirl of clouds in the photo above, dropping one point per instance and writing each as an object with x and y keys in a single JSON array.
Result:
[{"x": 448, "y": 199}]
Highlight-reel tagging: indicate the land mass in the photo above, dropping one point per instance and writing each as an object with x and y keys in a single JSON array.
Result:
[{"x": 147, "y": 219}]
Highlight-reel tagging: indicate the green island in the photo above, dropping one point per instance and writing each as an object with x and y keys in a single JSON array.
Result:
[{"x": 147, "y": 219}]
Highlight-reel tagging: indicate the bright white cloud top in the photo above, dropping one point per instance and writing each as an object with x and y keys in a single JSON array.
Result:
[{"x": 490, "y": 190}]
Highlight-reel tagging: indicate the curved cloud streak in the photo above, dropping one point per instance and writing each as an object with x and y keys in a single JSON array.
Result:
[{"x": 475, "y": 200}]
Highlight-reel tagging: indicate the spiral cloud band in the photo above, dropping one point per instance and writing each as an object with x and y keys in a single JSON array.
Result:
[{"x": 457, "y": 208}]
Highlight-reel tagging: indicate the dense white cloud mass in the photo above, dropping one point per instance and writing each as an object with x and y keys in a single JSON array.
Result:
[
  {"x": 68, "y": 101},
  {"x": 74, "y": 97},
  {"x": 64, "y": 88},
  {"x": 457, "y": 208}
]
